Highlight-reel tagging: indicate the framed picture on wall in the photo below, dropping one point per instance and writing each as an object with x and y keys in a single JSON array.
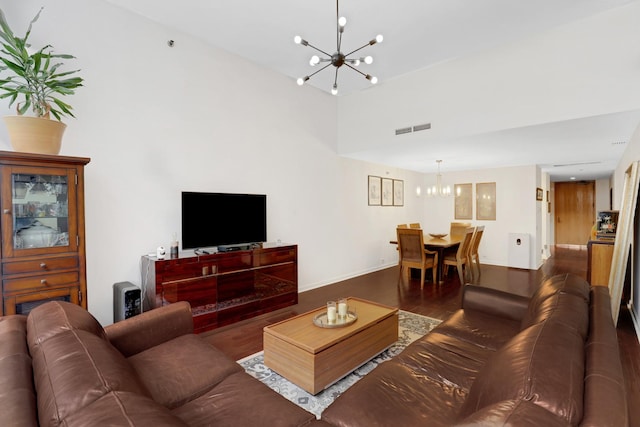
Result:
[
  {"x": 387, "y": 192},
  {"x": 486, "y": 201},
  {"x": 374, "y": 190},
  {"x": 398, "y": 192},
  {"x": 539, "y": 194},
  {"x": 463, "y": 201}
]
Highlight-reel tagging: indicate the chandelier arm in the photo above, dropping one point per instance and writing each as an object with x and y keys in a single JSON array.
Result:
[
  {"x": 355, "y": 69},
  {"x": 338, "y": 35},
  {"x": 360, "y": 48},
  {"x": 319, "y": 50},
  {"x": 316, "y": 72},
  {"x": 335, "y": 80}
]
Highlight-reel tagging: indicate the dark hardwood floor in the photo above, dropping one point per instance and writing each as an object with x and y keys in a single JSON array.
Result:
[{"x": 245, "y": 338}]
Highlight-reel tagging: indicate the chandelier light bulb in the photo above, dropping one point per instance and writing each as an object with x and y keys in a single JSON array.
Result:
[
  {"x": 368, "y": 60},
  {"x": 297, "y": 39},
  {"x": 315, "y": 60},
  {"x": 379, "y": 38},
  {"x": 334, "y": 89},
  {"x": 302, "y": 80},
  {"x": 356, "y": 62},
  {"x": 342, "y": 22}
]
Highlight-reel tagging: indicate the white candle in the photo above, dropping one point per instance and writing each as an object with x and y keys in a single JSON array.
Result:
[
  {"x": 342, "y": 309},
  {"x": 331, "y": 314}
]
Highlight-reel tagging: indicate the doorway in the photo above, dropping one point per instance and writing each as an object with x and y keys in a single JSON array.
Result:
[{"x": 574, "y": 212}]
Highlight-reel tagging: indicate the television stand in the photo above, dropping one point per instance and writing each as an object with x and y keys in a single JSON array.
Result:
[{"x": 224, "y": 287}]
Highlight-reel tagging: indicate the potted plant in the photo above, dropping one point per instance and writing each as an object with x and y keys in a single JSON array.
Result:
[{"x": 34, "y": 81}]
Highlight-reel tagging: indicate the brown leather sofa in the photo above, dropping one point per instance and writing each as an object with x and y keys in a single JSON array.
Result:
[
  {"x": 59, "y": 367},
  {"x": 502, "y": 360}
]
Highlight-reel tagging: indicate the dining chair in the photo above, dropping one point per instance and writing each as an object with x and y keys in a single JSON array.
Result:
[
  {"x": 474, "y": 258},
  {"x": 458, "y": 228},
  {"x": 415, "y": 225},
  {"x": 414, "y": 255},
  {"x": 460, "y": 259}
]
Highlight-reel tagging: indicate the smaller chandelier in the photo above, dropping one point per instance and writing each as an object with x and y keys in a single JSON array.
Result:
[
  {"x": 438, "y": 189},
  {"x": 338, "y": 59}
]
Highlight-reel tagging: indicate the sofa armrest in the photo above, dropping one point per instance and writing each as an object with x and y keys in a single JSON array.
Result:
[
  {"x": 494, "y": 302},
  {"x": 146, "y": 330}
]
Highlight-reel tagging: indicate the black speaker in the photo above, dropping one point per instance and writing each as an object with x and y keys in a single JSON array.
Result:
[{"x": 126, "y": 301}]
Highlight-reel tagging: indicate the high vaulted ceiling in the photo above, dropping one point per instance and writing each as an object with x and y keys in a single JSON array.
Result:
[{"x": 417, "y": 34}]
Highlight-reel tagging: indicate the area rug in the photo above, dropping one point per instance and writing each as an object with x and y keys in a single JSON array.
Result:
[{"x": 410, "y": 327}]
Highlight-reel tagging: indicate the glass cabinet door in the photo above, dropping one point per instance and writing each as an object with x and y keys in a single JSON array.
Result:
[{"x": 39, "y": 215}]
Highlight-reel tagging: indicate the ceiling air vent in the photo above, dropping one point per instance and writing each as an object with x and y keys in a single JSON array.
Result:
[
  {"x": 576, "y": 164},
  {"x": 425, "y": 126},
  {"x": 416, "y": 128}
]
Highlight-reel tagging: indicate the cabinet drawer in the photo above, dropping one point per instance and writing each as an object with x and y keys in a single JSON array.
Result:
[
  {"x": 40, "y": 282},
  {"x": 40, "y": 265},
  {"x": 274, "y": 257}
]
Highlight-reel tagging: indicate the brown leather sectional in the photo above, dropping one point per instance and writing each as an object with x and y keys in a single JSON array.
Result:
[
  {"x": 502, "y": 360},
  {"x": 150, "y": 370}
]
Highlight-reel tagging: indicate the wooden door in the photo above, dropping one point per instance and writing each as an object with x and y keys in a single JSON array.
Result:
[{"x": 575, "y": 212}]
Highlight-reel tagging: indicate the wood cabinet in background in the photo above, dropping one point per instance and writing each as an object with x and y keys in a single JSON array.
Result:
[
  {"x": 224, "y": 288},
  {"x": 600, "y": 253},
  {"x": 42, "y": 230}
]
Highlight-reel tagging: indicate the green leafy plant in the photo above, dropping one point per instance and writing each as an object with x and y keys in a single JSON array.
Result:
[{"x": 34, "y": 80}]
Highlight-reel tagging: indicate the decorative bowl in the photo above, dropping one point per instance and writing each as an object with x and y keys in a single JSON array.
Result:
[{"x": 437, "y": 236}]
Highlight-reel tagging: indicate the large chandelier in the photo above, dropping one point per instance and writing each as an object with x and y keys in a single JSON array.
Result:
[
  {"x": 438, "y": 189},
  {"x": 338, "y": 59}
]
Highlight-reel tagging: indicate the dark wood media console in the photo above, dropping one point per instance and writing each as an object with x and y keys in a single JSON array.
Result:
[{"x": 224, "y": 288}]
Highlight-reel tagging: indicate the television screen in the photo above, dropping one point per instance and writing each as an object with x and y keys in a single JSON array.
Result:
[{"x": 214, "y": 219}]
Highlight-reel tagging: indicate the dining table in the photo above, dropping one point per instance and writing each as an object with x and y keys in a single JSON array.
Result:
[{"x": 439, "y": 244}]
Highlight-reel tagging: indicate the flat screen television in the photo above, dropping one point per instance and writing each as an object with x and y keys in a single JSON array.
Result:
[{"x": 215, "y": 219}]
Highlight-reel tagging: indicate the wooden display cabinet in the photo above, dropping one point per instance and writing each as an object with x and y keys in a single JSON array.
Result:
[
  {"x": 224, "y": 288},
  {"x": 42, "y": 230}
]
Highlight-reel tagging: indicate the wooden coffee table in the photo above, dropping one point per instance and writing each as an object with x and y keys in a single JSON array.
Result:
[{"x": 314, "y": 358}]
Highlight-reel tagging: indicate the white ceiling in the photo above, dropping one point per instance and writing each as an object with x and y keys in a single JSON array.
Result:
[{"x": 417, "y": 34}]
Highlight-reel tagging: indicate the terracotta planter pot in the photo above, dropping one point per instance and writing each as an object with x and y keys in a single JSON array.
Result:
[{"x": 35, "y": 134}]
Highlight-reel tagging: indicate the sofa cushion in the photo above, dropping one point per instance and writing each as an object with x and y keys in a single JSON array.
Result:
[
  {"x": 604, "y": 378},
  {"x": 75, "y": 368},
  {"x": 559, "y": 284},
  {"x": 242, "y": 401},
  {"x": 73, "y": 362},
  {"x": 479, "y": 328},
  {"x": 17, "y": 396},
  {"x": 182, "y": 369},
  {"x": 544, "y": 364},
  {"x": 568, "y": 309},
  {"x": 513, "y": 413},
  {"x": 49, "y": 319},
  {"x": 394, "y": 394},
  {"x": 120, "y": 408},
  {"x": 445, "y": 359}
]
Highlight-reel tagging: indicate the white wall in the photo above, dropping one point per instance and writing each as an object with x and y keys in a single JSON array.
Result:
[
  {"x": 516, "y": 211},
  {"x": 157, "y": 120},
  {"x": 554, "y": 76},
  {"x": 602, "y": 194}
]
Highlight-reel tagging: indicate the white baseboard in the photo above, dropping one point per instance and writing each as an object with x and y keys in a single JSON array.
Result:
[{"x": 316, "y": 285}]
